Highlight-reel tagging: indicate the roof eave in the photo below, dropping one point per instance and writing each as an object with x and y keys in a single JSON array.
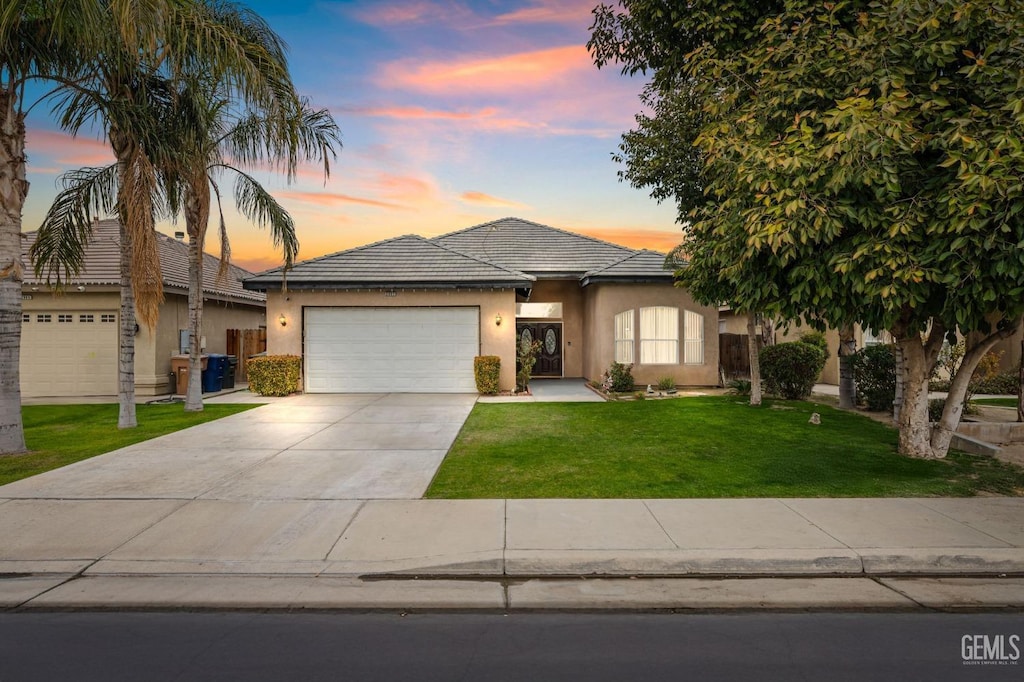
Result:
[
  {"x": 668, "y": 278},
  {"x": 349, "y": 285}
]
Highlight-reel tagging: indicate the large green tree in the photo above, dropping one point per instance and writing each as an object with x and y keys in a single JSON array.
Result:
[
  {"x": 123, "y": 92},
  {"x": 861, "y": 162}
]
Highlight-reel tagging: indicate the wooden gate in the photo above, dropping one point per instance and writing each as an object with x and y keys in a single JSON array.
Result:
[
  {"x": 244, "y": 343},
  {"x": 733, "y": 356}
]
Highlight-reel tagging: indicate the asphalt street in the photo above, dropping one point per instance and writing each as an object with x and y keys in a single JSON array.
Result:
[{"x": 520, "y": 646}]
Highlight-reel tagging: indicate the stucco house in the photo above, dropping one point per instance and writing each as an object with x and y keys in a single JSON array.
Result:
[
  {"x": 69, "y": 345},
  {"x": 410, "y": 313}
]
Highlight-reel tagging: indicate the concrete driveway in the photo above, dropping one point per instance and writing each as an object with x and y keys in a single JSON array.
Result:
[{"x": 307, "y": 447}]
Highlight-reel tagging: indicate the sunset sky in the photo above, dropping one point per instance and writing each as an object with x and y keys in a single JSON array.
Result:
[{"x": 452, "y": 113}]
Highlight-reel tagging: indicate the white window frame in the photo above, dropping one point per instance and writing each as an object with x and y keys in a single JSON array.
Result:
[
  {"x": 693, "y": 338},
  {"x": 624, "y": 337},
  {"x": 659, "y": 335}
]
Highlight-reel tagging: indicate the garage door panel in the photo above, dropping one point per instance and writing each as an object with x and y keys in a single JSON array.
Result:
[
  {"x": 73, "y": 354},
  {"x": 391, "y": 349}
]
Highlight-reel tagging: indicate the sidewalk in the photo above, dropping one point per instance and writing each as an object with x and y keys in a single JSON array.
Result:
[{"x": 506, "y": 554}]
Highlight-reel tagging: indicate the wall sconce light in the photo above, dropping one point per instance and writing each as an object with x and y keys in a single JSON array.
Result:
[
  {"x": 497, "y": 319},
  {"x": 80, "y": 287},
  {"x": 283, "y": 320}
]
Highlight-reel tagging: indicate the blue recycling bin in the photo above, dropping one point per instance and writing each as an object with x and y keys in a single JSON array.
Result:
[{"x": 213, "y": 375}]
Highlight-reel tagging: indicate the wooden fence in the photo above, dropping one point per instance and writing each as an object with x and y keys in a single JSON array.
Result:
[{"x": 244, "y": 343}]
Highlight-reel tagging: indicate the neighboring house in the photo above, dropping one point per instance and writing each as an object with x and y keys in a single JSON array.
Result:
[
  {"x": 409, "y": 314},
  {"x": 69, "y": 345}
]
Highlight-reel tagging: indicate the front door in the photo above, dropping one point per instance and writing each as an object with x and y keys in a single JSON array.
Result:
[{"x": 549, "y": 361}]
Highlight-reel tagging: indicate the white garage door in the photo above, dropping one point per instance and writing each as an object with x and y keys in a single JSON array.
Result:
[
  {"x": 378, "y": 350},
  {"x": 68, "y": 353}
]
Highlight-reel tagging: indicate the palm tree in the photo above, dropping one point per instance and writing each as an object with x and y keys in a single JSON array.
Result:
[
  {"x": 124, "y": 93},
  {"x": 207, "y": 141},
  {"x": 211, "y": 140},
  {"x": 45, "y": 39}
]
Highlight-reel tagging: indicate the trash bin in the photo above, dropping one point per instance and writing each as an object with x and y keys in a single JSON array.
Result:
[
  {"x": 179, "y": 366},
  {"x": 230, "y": 369},
  {"x": 213, "y": 375}
]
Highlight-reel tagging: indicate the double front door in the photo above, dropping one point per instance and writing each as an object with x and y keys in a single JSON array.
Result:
[{"x": 549, "y": 360}]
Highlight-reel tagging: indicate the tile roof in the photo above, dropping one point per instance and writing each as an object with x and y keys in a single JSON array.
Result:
[
  {"x": 534, "y": 248},
  {"x": 409, "y": 261},
  {"x": 102, "y": 265},
  {"x": 638, "y": 266}
]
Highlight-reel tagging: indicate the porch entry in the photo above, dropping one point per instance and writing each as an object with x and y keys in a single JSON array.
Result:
[{"x": 549, "y": 361}]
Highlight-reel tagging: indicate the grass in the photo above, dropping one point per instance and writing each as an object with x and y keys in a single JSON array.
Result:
[
  {"x": 58, "y": 435},
  {"x": 696, "y": 447},
  {"x": 996, "y": 402}
]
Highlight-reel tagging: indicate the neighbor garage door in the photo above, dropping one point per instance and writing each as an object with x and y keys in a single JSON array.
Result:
[
  {"x": 67, "y": 353},
  {"x": 376, "y": 350}
]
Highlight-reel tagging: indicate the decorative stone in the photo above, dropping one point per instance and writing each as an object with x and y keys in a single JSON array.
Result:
[{"x": 815, "y": 419}]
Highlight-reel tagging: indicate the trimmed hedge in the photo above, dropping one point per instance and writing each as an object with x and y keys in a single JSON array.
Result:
[
  {"x": 275, "y": 375},
  {"x": 790, "y": 370},
  {"x": 487, "y": 371}
]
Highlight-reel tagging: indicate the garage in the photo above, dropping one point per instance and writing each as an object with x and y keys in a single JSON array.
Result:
[
  {"x": 392, "y": 349},
  {"x": 68, "y": 353}
]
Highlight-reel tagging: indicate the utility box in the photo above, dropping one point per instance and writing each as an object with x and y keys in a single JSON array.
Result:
[{"x": 179, "y": 365}]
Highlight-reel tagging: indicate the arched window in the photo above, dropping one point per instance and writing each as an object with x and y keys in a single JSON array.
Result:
[
  {"x": 693, "y": 339},
  {"x": 624, "y": 337}
]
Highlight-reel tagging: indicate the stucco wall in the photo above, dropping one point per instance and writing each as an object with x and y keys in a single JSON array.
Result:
[
  {"x": 218, "y": 317},
  {"x": 603, "y": 301},
  {"x": 570, "y": 294},
  {"x": 494, "y": 339}
]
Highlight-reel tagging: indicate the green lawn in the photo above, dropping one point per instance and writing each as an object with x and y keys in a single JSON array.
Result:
[
  {"x": 996, "y": 402},
  {"x": 696, "y": 447},
  {"x": 61, "y": 434}
]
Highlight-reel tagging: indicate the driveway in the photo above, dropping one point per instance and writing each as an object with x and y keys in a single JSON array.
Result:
[{"x": 307, "y": 447}]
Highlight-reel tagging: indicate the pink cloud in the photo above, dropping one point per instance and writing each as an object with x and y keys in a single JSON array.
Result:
[
  {"x": 66, "y": 151},
  {"x": 576, "y": 12},
  {"x": 481, "y": 199},
  {"x": 513, "y": 72},
  {"x": 413, "y": 12},
  {"x": 421, "y": 113},
  {"x": 636, "y": 238},
  {"x": 331, "y": 199}
]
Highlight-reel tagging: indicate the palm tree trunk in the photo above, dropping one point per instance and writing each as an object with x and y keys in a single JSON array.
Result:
[
  {"x": 754, "y": 353},
  {"x": 197, "y": 212},
  {"x": 126, "y": 339},
  {"x": 13, "y": 190}
]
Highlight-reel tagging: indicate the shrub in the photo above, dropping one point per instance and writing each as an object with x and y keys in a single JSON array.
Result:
[
  {"x": 935, "y": 408},
  {"x": 791, "y": 369},
  {"x": 739, "y": 387},
  {"x": 666, "y": 383},
  {"x": 874, "y": 370},
  {"x": 815, "y": 338},
  {"x": 620, "y": 378},
  {"x": 1004, "y": 383},
  {"x": 527, "y": 358},
  {"x": 274, "y": 374},
  {"x": 487, "y": 371}
]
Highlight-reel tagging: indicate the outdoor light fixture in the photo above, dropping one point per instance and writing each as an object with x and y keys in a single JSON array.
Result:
[
  {"x": 497, "y": 319},
  {"x": 283, "y": 320}
]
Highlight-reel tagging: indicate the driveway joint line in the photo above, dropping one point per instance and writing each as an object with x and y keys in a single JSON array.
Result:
[
  {"x": 660, "y": 525},
  {"x": 967, "y": 524},
  {"x": 808, "y": 520},
  {"x": 348, "y": 525}
]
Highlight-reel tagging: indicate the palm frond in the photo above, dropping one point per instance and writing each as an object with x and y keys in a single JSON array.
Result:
[
  {"x": 259, "y": 206},
  {"x": 58, "y": 253},
  {"x": 138, "y": 188},
  {"x": 225, "y": 245}
]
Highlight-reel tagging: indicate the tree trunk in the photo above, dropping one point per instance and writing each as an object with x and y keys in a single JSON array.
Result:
[
  {"x": 919, "y": 358},
  {"x": 847, "y": 385},
  {"x": 197, "y": 213},
  {"x": 13, "y": 190},
  {"x": 1020, "y": 385},
  {"x": 126, "y": 340},
  {"x": 900, "y": 371},
  {"x": 754, "y": 353},
  {"x": 942, "y": 434}
]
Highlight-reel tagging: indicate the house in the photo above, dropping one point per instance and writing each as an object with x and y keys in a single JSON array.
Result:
[
  {"x": 69, "y": 340},
  {"x": 410, "y": 313}
]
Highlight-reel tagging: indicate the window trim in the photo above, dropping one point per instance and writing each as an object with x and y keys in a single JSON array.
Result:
[{"x": 624, "y": 342}]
